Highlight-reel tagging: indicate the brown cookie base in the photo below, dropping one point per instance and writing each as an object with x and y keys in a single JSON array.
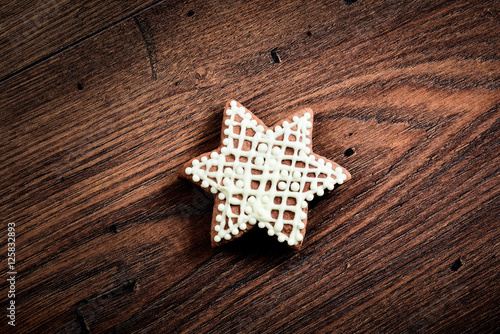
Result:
[{"x": 246, "y": 146}]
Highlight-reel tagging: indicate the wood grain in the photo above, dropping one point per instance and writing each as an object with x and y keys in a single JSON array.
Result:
[
  {"x": 32, "y": 32},
  {"x": 405, "y": 96}
]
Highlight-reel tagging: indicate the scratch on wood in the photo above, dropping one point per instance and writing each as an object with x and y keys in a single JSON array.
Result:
[{"x": 145, "y": 30}]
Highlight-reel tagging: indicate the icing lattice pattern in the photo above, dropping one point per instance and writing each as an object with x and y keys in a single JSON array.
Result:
[{"x": 264, "y": 177}]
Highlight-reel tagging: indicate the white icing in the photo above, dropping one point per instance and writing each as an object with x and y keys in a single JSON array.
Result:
[{"x": 232, "y": 180}]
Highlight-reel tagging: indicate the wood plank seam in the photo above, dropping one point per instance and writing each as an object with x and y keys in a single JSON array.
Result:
[{"x": 70, "y": 46}]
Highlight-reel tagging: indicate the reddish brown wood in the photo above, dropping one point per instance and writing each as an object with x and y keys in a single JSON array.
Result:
[
  {"x": 34, "y": 31},
  {"x": 405, "y": 96}
]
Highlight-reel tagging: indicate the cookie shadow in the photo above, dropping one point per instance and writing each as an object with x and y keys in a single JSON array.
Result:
[{"x": 196, "y": 207}]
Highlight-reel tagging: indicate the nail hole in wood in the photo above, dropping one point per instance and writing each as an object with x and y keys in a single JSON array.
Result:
[
  {"x": 79, "y": 86},
  {"x": 309, "y": 34},
  {"x": 177, "y": 83},
  {"x": 456, "y": 265},
  {"x": 190, "y": 13},
  {"x": 276, "y": 57},
  {"x": 350, "y": 134},
  {"x": 349, "y": 152},
  {"x": 349, "y": 2},
  {"x": 113, "y": 228},
  {"x": 62, "y": 179}
]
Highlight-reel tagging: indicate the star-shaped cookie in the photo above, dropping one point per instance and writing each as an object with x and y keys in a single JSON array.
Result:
[{"x": 263, "y": 177}]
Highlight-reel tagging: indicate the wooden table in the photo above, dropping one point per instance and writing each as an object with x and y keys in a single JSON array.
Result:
[{"x": 102, "y": 102}]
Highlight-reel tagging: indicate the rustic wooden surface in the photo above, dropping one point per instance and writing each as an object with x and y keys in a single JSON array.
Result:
[
  {"x": 98, "y": 114},
  {"x": 32, "y": 33}
]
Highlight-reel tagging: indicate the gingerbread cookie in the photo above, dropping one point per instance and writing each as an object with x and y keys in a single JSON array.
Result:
[{"x": 263, "y": 177}]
